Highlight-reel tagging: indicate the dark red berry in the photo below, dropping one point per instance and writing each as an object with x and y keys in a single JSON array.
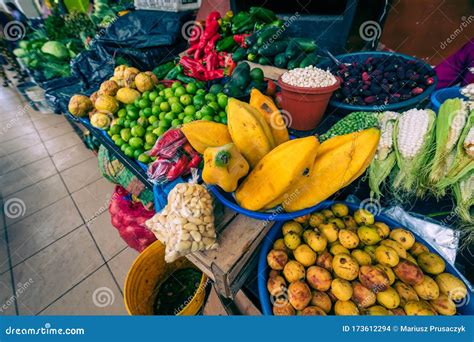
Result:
[
  {"x": 370, "y": 99},
  {"x": 417, "y": 91}
]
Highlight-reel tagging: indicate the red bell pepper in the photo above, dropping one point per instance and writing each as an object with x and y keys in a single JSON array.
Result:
[
  {"x": 178, "y": 168},
  {"x": 240, "y": 39}
]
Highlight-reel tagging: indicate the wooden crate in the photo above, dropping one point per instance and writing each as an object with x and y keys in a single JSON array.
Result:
[{"x": 229, "y": 265}]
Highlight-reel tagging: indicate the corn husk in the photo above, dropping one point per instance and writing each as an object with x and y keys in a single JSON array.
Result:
[{"x": 464, "y": 193}]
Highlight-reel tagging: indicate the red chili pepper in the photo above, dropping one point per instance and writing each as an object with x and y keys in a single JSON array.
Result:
[
  {"x": 240, "y": 39},
  {"x": 178, "y": 168},
  {"x": 229, "y": 65},
  {"x": 167, "y": 139},
  {"x": 191, "y": 152}
]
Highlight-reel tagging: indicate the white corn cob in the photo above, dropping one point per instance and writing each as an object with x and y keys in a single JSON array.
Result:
[
  {"x": 385, "y": 146},
  {"x": 412, "y": 128},
  {"x": 456, "y": 126},
  {"x": 469, "y": 143}
]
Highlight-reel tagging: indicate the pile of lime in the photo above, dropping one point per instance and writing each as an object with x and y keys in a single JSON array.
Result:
[{"x": 140, "y": 124}]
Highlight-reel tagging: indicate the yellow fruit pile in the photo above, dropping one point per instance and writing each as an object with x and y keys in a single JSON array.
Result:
[{"x": 330, "y": 262}]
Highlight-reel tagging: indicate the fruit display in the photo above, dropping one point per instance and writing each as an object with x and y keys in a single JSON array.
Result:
[
  {"x": 382, "y": 80},
  {"x": 323, "y": 266},
  {"x": 243, "y": 80}
]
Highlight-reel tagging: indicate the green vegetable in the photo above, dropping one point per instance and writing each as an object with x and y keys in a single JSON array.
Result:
[
  {"x": 251, "y": 57},
  {"x": 295, "y": 62},
  {"x": 272, "y": 49},
  {"x": 354, "y": 122},
  {"x": 55, "y": 49},
  {"x": 308, "y": 45},
  {"x": 310, "y": 59},
  {"x": 239, "y": 54},
  {"x": 241, "y": 75},
  {"x": 173, "y": 73},
  {"x": 256, "y": 74},
  {"x": 226, "y": 44},
  {"x": 162, "y": 70},
  {"x": 464, "y": 194},
  {"x": 293, "y": 49},
  {"x": 264, "y": 60},
  {"x": 267, "y": 33},
  {"x": 251, "y": 40},
  {"x": 280, "y": 60},
  {"x": 263, "y": 14}
]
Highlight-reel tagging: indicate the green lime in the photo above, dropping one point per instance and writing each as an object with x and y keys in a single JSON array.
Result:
[
  {"x": 126, "y": 123},
  {"x": 216, "y": 118},
  {"x": 124, "y": 147},
  {"x": 133, "y": 114},
  {"x": 153, "y": 95},
  {"x": 155, "y": 124},
  {"x": 181, "y": 116},
  {"x": 115, "y": 129},
  {"x": 164, "y": 124},
  {"x": 147, "y": 112},
  {"x": 173, "y": 99},
  {"x": 162, "y": 116},
  {"x": 161, "y": 93},
  {"x": 198, "y": 101},
  {"x": 175, "y": 123},
  {"x": 144, "y": 103},
  {"x": 115, "y": 137},
  {"x": 168, "y": 93},
  {"x": 152, "y": 119},
  {"x": 159, "y": 131},
  {"x": 137, "y": 153},
  {"x": 198, "y": 115},
  {"x": 191, "y": 88},
  {"x": 256, "y": 74},
  {"x": 185, "y": 99},
  {"x": 176, "y": 108},
  {"x": 207, "y": 117},
  {"x": 129, "y": 106},
  {"x": 216, "y": 88},
  {"x": 214, "y": 106},
  {"x": 179, "y": 91},
  {"x": 141, "y": 113},
  {"x": 138, "y": 131},
  {"x": 224, "y": 120},
  {"x": 141, "y": 121},
  {"x": 158, "y": 100},
  {"x": 188, "y": 119},
  {"x": 147, "y": 147},
  {"x": 150, "y": 128},
  {"x": 137, "y": 102},
  {"x": 170, "y": 116},
  {"x": 160, "y": 86},
  {"x": 119, "y": 141},
  {"x": 120, "y": 121},
  {"x": 133, "y": 123},
  {"x": 146, "y": 94},
  {"x": 222, "y": 101},
  {"x": 136, "y": 142},
  {"x": 129, "y": 151},
  {"x": 189, "y": 110},
  {"x": 175, "y": 85},
  {"x": 165, "y": 107},
  {"x": 201, "y": 92},
  {"x": 210, "y": 97},
  {"x": 122, "y": 113},
  {"x": 125, "y": 134},
  {"x": 150, "y": 138},
  {"x": 155, "y": 110},
  {"x": 207, "y": 110},
  {"x": 144, "y": 158},
  {"x": 222, "y": 114}
]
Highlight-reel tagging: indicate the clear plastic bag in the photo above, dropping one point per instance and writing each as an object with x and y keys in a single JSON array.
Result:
[{"x": 186, "y": 224}]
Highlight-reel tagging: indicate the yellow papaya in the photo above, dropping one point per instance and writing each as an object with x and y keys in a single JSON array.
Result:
[
  {"x": 277, "y": 172},
  {"x": 272, "y": 115},
  {"x": 202, "y": 134},
  {"x": 224, "y": 166},
  {"x": 337, "y": 166},
  {"x": 249, "y": 131}
]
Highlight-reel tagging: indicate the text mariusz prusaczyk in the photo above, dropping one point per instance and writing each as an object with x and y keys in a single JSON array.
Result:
[{"x": 433, "y": 329}]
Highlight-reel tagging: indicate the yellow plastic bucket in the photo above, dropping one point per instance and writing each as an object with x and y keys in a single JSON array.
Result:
[{"x": 148, "y": 272}]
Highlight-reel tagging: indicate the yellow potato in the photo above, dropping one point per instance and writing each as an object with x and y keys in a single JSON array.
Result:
[
  {"x": 293, "y": 271},
  {"x": 427, "y": 289},
  {"x": 305, "y": 255},
  {"x": 373, "y": 278},
  {"x": 349, "y": 222},
  {"x": 345, "y": 308},
  {"x": 451, "y": 286},
  {"x": 348, "y": 238},
  {"x": 402, "y": 253},
  {"x": 418, "y": 248},
  {"x": 386, "y": 256},
  {"x": 398, "y": 312},
  {"x": 316, "y": 219},
  {"x": 345, "y": 267},
  {"x": 312, "y": 311},
  {"x": 411, "y": 258},
  {"x": 406, "y": 292},
  {"x": 299, "y": 294},
  {"x": 327, "y": 213},
  {"x": 277, "y": 259},
  {"x": 340, "y": 209},
  {"x": 280, "y": 245},
  {"x": 431, "y": 263},
  {"x": 362, "y": 296},
  {"x": 329, "y": 230},
  {"x": 376, "y": 310},
  {"x": 316, "y": 241},
  {"x": 388, "y": 298},
  {"x": 325, "y": 260},
  {"x": 362, "y": 258},
  {"x": 388, "y": 271},
  {"x": 292, "y": 226},
  {"x": 382, "y": 229},
  {"x": 368, "y": 235},
  {"x": 341, "y": 289},
  {"x": 418, "y": 308},
  {"x": 276, "y": 285},
  {"x": 444, "y": 305},
  {"x": 284, "y": 309},
  {"x": 338, "y": 222},
  {"x": 302, "y": 219},
  {"x": 370, "y": 250},
  {"x": 292, "y": 240},
  {"x": 318, "y": 278},
  {"x": 337, "y": 248},
  {"x": 364, "y": 217},
  {"x": 408, "y": 272},
  {"x": 404, "y": 237},
  {"x": 321, "y": 300}
]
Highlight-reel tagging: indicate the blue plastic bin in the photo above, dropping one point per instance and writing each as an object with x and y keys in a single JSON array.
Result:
[{"x": 441, "y": 95}]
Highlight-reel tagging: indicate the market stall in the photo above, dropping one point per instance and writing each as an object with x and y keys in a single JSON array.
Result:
[{"x": 248, "y": 157}]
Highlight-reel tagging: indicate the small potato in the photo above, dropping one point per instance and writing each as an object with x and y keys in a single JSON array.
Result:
[
  {"x": 444, "y": 305},
  {"x": 388, "y": 298},
  {"x": 362, "y": 296},
  {"x": 280, "y": 245},
  {"x": 349, "y": 222},
  {"x": 302, "y": 219},
  {"x": 285, "y": 309},
  {"x": 338, "y": 222},
  {"x": 312, "y": 311},
  {"x": 292, "y": 240},
  {"x": 398, "y": 312},
  {"x": 427, "y": 289},
  {"x": 382, "y": 229},
  {"x": 306, "y": 233},
  {"x": 403, "y": 237},
  {"x": 321, "y": 300},
  {"x": 345, "y": 308},
  {"x": 405, "y": 292},
  {"x": 293, "y": 271},
  {"x": 388, "y": 271},
  {"x": 299, "y": 294},
  {"x": 273, "y": 273},
  {"x": 329, "y": 231},
  {"x": 276, "y": 285},
  {"x": 362, "y": 258},
  {"x": 451, "y": 286},
  {"x": 337, "y": 248},
  {"x": 418, "y": 308},
  {"x": 318, "y": 278},
  {"x": 373, "y": 278},
  {"x": 345, "y": 267},
  {"x": 292, "y": 226},
  {"x": 325, "y": 260},
  {"x": 418, "y": 248},
  {"x": 305, "y": 255},
  {"x": 316, "y": 219},
  {"x": 402, "y": 253},
  {"x": 431, "y": 263},
  {"x": 327, "y": 213},
  {"x": 348, "y": 238},
  {"x": 340, "y": 209},
  {"x": 277, "y": 259},
  {"x": 370, "y": 250},
  {"x": 412, "y": 259},
  {"x": 386, "y": 256},
  {"x": 368, "y": 235},
  {"x": 408, "y": 272},
  {"x": 316, "y": 241},
  {"x": 377, "y": 310},
  {"x": 341, "y": 289},
  {"x": 364, "y": 217}
]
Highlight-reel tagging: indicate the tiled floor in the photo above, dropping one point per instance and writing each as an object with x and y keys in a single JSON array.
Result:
[{"x": 59, "y": 254}]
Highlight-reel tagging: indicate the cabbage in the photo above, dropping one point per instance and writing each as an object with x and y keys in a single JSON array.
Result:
[{"x": 56, "y": 49}]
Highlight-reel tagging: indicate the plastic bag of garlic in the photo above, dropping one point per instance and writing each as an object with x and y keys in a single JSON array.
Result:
[{"x": 186, "y": 224}]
